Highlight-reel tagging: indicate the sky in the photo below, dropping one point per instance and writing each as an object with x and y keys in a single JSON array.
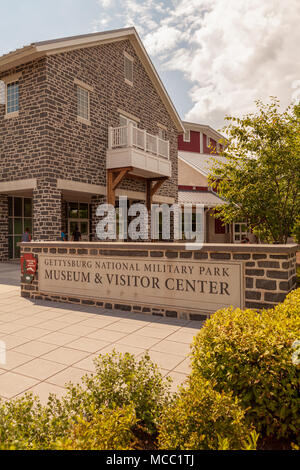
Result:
[{"x": 215, "y": 57}]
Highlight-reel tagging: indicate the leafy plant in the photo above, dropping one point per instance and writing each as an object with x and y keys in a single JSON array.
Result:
[
  {"x": 250, "y": 355},
  {"x": 260, "y": 178},
  {"x": 121, "y": 380},
  {"x": 107, "y": 429},
  {"x": 200, "y": 418}
]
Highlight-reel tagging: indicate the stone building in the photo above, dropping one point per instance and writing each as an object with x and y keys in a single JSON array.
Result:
[{"x": 82, "y": 120}]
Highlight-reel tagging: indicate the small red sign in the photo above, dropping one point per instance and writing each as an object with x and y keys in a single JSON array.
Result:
[{"x": 28, "y": 264}]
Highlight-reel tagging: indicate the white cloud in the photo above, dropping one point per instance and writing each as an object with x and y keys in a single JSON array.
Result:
[
  {"x": 230, "y": 51},
  {"x": 163, "y": 39},
  {"x": 106, "y": 3}
]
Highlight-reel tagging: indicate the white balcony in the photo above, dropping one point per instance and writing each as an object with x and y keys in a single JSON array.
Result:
[{"x": 147, "y": 154}]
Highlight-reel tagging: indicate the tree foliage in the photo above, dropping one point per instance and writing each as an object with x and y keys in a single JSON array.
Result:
[{"x": 260, "y": 178}]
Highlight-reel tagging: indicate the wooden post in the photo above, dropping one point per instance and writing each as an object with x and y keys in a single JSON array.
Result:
[
  {"x": 148, "y": 195},
  {"x": 110, "y": 190}
]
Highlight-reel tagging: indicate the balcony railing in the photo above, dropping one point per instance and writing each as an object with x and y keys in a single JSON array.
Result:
[{"x": 131, "y": 136}]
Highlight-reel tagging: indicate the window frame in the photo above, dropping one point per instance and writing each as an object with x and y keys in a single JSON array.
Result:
[
  {"x": 10, "y": 81},
  {"x": 128, "y": 120},
  {"x": 79, "y": 116},
  {"x": 24, "y": 222},
  {"x": 130, "y": 59},
  {"x": 187, "y": 139},
  {"x": 162, "y": 133},
  {"x": 208, "y": 140},
  {"x": 89, "y": 89}
]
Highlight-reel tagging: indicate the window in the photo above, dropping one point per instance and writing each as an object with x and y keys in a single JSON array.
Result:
[
  {"x": 187, "y": 136},
  {"x": 240, "y": 232},
  {"x": 12, "y": 97},
  {"x": 124, "y": 121},
  {"x": 162, "y": 134},
  {"x": 128, "y": 68},
  {"x": 19, "y": 218},
  {"x": 83, "y": 103},
  {"x": 207, "y": 141}
]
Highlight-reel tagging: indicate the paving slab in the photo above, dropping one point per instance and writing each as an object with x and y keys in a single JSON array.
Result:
[{"x": 49, "y": 344}]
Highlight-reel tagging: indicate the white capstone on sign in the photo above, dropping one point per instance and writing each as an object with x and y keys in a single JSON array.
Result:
[{"x": 193, "y": 285}]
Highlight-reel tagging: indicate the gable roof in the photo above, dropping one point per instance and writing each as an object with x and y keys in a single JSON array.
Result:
[
  {"x": 193, "y": 126},
  {"x": 37, "y": 50},
  {"x": 201, "y": 162}
]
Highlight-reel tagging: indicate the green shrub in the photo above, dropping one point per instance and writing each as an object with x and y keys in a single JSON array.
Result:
[
  {"x": 108, "y": 429},
  {"x": 124, "y": 391},
  {"x": 200, "y": 418},
  {"x": 250, "y": 354},
  {"x": 121, "y": 380}
]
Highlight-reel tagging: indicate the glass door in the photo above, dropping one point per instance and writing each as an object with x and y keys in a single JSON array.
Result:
[
  {"x": 82, "y": 226},
  {"x": 78, "y": 216},
  {"x": 19, "y": 219}
]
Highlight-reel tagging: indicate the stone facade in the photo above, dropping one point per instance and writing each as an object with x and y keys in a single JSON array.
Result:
[
  {"x": 46, "y": 141},
  {"x": 268, "y": 271},
  {"x": 3, "y": 228}
]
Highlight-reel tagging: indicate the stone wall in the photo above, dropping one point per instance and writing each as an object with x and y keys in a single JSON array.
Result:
[
  {"x": 46, "y": 141},
  {"x": 268, "y": 271}
]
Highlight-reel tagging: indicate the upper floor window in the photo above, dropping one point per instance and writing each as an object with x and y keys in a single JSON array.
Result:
[
  {"x": 83, "y": 103},
  {"x": 128, "y": 68},
  {"x": 162, "y": 133},
  {"x": 124, "y": 121},
  {"x": 187, "y": 136},
  {"x": 12, "y": 97}
]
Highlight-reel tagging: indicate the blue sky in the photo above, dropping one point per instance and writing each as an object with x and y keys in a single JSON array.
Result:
[{"x": 215, "y": 57}]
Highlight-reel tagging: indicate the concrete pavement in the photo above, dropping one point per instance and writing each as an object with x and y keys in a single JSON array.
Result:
[{"x": 49, "y": 344}]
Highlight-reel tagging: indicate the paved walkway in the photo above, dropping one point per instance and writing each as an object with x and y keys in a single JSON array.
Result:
[{"x": 48, "y": 344}]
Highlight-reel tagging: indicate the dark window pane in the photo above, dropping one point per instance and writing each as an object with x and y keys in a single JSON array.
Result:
[
  {"x": 27, "y": 207},
  {"x": 73, "y": 226},
  {"x": 28, "y": 224},
  {"x": 10, "y": 206},
  {"x": 16, "y": 247},
  {"x": 17, "y": 207},
  {"x": 84, "y": 228},
  {"x": 84, "y": 211},
  {"x": 73, "y": 210},
  {"x": 10, "y": 247},
  {"x": 10, "y": 226},
  {"x": 18, "y": 226}
]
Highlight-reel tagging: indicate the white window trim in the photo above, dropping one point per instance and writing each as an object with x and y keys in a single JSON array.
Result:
[
  {"x": 7, "y": 80},
  {"x": 128, "y": 57},
  {"x": 162, "y": 133},
  {"x": 188, "y": 139},
  {"x": 129, "y": 119},
  {"x": 207, "y": 141},
  {"x": 87, "y": 88},
  {"x": 128, "y": 115}
]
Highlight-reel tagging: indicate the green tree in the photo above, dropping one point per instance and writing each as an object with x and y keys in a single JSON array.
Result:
[{"x": 260, "y": 178}]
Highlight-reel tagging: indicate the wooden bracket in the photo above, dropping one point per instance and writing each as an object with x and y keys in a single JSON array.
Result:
[
  {"x": 151, "y": 190},
  {"x": 115, "y": 176}
]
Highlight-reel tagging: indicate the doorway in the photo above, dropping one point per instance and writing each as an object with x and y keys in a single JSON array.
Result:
[
  {"x": 79, "y": 216},
  {"x": 83, "y": 227}
]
